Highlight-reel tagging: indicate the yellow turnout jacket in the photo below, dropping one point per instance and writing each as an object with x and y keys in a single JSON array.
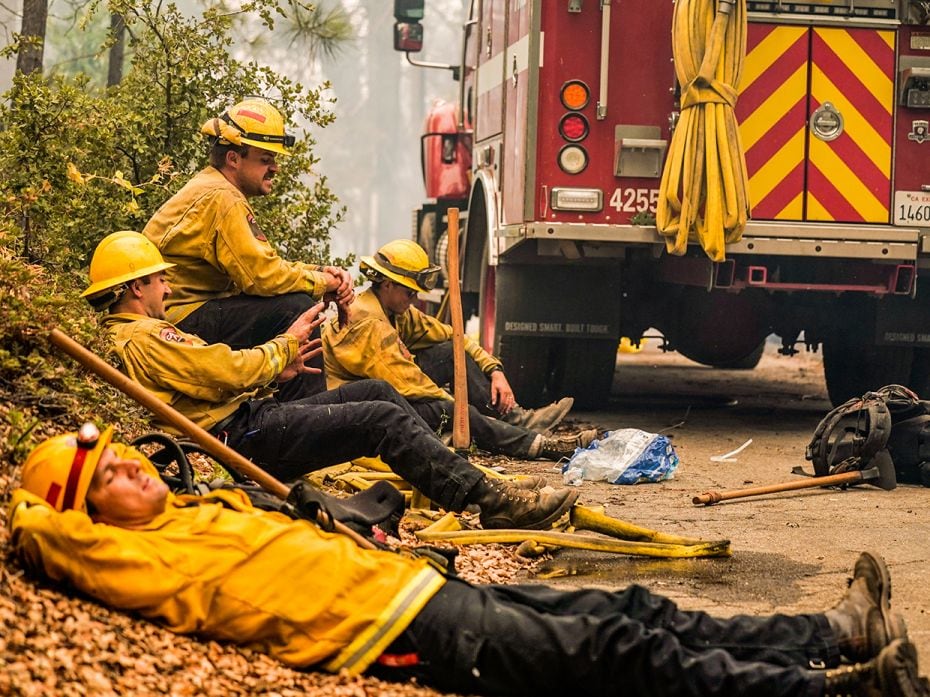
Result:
[
  {"x": 208, "y": 230},
  {"x": 370, "y": 346},
  {"x": 205, "y": 382},
  {"x": 219, "y": 568}
]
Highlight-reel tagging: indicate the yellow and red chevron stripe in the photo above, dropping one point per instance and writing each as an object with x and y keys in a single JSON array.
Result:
[
  {"x": 790, "y": 72},
  {"x": 849, "y": 179},
  {"x": 772, "y": 110}
]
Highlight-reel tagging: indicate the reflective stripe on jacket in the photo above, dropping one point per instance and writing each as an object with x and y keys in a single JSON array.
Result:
[
  {"x": 219, "y": 568},
  {"x": 205, "y": 382},
  {"x": 369, "y": 346},
  {"x": 209, "y": 231}
]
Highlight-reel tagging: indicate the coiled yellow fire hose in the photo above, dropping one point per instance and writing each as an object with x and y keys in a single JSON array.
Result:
[{"x": 703, "y": 195}]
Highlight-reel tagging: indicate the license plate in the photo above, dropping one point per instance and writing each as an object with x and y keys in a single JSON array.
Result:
[{"x": 912, "y": 208}]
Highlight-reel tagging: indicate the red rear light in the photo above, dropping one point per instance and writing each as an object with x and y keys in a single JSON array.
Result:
[
  {"x": 573, "y": 127},
  {"x": 575, "y": 95}
]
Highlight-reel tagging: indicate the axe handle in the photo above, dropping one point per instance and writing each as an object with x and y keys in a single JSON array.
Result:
[
  {"x": 828, "y": 480},
  {"x": 222, "y": 452},
  {"x": 461, "y": 436}
]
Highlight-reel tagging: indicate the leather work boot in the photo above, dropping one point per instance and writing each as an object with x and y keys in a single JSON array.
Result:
[
  {"x": 529, "y": 481},
  {"x": 542, "y": 419},
  {"x": 557, "y": 447},
  {"x": 863, "y": 621},
  {"x": 505, "y": 506},
  {"x": 893, "y": 673}
]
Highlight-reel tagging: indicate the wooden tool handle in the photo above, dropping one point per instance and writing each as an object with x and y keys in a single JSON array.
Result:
[
  {"x": 461, "y": 435},
  {"x": 710, "y": 497},
  {"x": 222, "y": 452}
]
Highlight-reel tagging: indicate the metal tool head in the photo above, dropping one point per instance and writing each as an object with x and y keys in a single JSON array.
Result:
[{"x": 881, "y": 473}]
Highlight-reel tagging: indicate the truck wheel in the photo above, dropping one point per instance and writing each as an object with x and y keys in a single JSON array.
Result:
[
  {"x": 920, "y": 373},
  {"x": 584, "y": 369},
  {"x": 526, "y": 363},
  {"x": 747, "y": 363},
  {"x": 852, "y": 367}
]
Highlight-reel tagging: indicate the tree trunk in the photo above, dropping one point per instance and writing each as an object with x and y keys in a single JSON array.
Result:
[
  {"x": 35, "y": 18},
  {"x": 115, "y": 67}
]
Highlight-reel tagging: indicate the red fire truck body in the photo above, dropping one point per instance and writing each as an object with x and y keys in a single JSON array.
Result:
[{"x": 566, "y": 111}]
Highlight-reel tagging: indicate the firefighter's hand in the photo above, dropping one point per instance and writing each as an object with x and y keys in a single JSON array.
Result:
[
  {"x": 339, "y": 283},
  {"x": 304, "y": 325},
  {"x": 298, "y": 366},
  {"x": 502, "y": 397}
]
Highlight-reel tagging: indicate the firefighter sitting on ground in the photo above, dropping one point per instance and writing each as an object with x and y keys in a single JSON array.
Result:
[
  {"x": 388, "y": 339},
  {"x": 229, "y": 393},
  {"x": 231, "y": 286},
  {"x": 94, "y": 513}
]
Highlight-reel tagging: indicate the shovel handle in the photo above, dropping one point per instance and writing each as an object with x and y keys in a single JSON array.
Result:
[
  {"x": 711, "y": 497},
  {"x": 461, "y": 435}
]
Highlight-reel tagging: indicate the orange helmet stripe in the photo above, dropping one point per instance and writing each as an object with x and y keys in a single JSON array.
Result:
[{"x": 251, "y": 114}]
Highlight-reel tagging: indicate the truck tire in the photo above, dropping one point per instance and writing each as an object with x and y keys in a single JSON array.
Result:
[
  {"x": 853, "y": 367},
  {"x": 920, "y": 373},
  {"x": 749, "y": 362},
  {"x": 526, "y": 364},
  {"x": 583, "y": 369}
]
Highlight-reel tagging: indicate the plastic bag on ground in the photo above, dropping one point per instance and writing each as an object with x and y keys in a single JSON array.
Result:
[{"x": 625, "y": 456}]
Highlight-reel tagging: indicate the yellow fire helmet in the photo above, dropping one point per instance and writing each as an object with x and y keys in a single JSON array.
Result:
[
  {"x": 252, "y": 121},
  {"x": 60, "y": 469},
  {"x": 405, "y": 262},
  {"x": 120, "y": 257}
]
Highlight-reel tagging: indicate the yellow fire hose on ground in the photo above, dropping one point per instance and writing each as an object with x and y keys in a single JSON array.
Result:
[
  {"x": 703, "y": 195},
  {"x": 624, "y": 538}
]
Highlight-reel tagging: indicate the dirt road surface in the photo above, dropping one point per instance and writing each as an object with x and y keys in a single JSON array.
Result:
[{"x": 792, "y": 551}]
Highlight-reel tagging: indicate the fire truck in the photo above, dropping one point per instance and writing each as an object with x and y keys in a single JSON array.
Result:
[{"x": 555, "y": 151}]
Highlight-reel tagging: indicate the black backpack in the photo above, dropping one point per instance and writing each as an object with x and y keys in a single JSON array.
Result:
[{"x": 892, "y": 418}]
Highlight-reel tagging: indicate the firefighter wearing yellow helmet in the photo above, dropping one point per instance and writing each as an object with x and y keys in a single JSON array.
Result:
[
  {"x": 59, "y": 470},
  {"x": 230, "y": 284},
  {"x": 389, "y": 339},
  {"x": 120, "y": 257}
]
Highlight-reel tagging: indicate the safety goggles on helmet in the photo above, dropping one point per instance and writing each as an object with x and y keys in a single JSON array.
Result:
[
  {"x": 427, "y": 278},
  {"x": 287, "y": 140}
]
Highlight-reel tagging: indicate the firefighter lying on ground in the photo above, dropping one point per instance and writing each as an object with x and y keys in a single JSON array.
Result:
[
  {"x": 231, "y": 286},
  {"x": 388, "y": 339},
  {"x": 229, "y": 393},
  {"x": 217, "y": 567}
]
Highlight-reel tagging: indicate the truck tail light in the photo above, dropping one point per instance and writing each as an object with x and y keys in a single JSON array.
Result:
[
  {"x": 573, "y": 159},
  {"x": 573, "y": 127},
  {"x": 575, "y": 95}
]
